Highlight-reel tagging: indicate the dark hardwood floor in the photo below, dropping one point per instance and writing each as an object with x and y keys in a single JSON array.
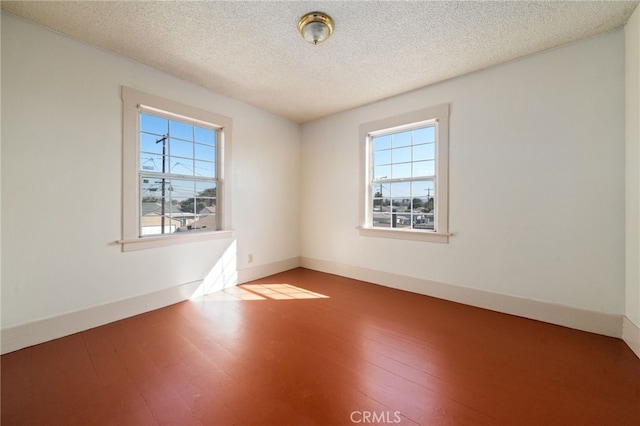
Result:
[{"x": 307, "y": 348}]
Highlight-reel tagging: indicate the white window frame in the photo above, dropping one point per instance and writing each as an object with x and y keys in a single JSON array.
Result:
[
  {"x": 439, "y": 115},
  {"x": 133, "y": 102}
]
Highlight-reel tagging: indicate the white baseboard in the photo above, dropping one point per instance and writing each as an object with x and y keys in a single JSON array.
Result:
[
  {"x": 24, "y": 335},
  {"x": 40, "y": 331},
  {"x": 580, "y": 319},
  {"x": 631, "y": 335},
  {"x": 260, "y": 271}
]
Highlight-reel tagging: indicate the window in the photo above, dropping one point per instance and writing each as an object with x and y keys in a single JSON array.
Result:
[
  {"x": 405, "y": 176},
  {"x": 175, "y": 185},
  {"x": 177, "y": 175}
]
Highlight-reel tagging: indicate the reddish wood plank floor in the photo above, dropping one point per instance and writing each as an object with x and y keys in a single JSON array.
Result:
[{"x": 306, "y": 348}]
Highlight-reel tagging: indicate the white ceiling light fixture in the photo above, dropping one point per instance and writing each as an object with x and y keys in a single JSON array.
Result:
[{"x": 315, "y": 27}]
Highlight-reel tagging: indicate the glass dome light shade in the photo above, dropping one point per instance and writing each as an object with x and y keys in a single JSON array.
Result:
[{"x": 315, "y": 27}]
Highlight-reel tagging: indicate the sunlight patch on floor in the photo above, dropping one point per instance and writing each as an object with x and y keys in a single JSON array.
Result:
[
  {"x": 264, "y": 292},
  {"x": 283, "y": 291}
]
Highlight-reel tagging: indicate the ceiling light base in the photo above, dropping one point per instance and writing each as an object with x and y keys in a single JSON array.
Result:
[{"x": 315, "y": 27}]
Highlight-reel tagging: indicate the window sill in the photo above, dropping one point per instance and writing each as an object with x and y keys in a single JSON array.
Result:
[
  {"x": 169, "y": 240},
  {"x": 432, "y": 237}
]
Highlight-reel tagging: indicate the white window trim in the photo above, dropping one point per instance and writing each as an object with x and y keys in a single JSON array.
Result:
[
  {"x": 439, "y": 114},
  {"x": 132, "y": 100}
]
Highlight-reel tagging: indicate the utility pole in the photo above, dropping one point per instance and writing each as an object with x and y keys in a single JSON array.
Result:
[
  {"x": 381, "y": 196},
  {"x": 163, "y": 139}
]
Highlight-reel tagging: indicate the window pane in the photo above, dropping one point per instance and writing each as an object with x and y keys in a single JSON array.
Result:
[
  {"x": 148, "y": 143},
  {"x": 205, "y": 169},
  {"x": 150, "y": 193},
  {"x": 424, "y": 168},
  {"x": 184, "y": 195},
  {"x": 207, "y": 222},
  {"x": 401, "y": 170},
  {"x": 153, "y": 124},
  {"x": 424, "y": 152},
  {"x": 401, "y": 139},
  {"x": 380, "y": 190},
  {"x": 401, "y": 190},
  {"x": 381, "y": 157},
  {"x": 150, "y": 162},
  {"x": 423, "y": 221},
  {"x": 184, "y": 207},
  {"x": 159, "y": 215},
  {"x": 181, "y": 130},
  {"x": 381, "y": 172},
  {"x": 208, "y": 203},
  {"x": 206, "y": 189},
  {"x": 401, "y": 204},
  {"x": 381, "y": 142},
  {"x": 205, "y": 152},
  {"x": 181, "y": 188},
  {"x": 198, "y": 205},
  {"x": 379, "y": 205},
  {"x": 382, "y": 219},
  {"x": 422, "y": 189},
  {"x": 205, "y": 206},
  {"x": 401, "y": 155},
  {"x": 424, "y": 203},
  {"x": 180, "y": 148},
  {"x": 206, "y": 136},
  {"x": 424, "y": 135},
  {"x": 206, "y": 198},
  {"x": 181, "y": 166},
  {"x": 156, "y": 208},
  {"x": 402, "y": 220},
  {"x": 418, "y": 203},
  {"x": 380, "y": 197}
]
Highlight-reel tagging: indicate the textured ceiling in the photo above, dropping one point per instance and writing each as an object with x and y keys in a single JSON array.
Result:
[{"x": 251, "y": 51}]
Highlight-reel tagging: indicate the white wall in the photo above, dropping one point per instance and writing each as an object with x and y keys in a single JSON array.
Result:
[
  {"x": 536, "y": 182},
  {"x": 61, "y": 180},
  {"x": 632, "y": 64},
  {"x": 536, "y": 176}
]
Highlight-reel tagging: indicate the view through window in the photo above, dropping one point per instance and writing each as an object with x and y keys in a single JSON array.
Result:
[
  {"x": 177, "y": 176},
  {"x": 403, "y": 190}
]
